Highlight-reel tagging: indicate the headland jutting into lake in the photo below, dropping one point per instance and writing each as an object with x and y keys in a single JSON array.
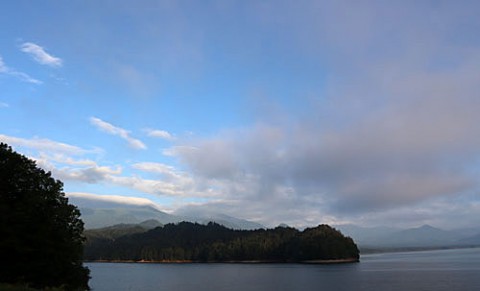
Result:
[{"x": 187, "y": 242}]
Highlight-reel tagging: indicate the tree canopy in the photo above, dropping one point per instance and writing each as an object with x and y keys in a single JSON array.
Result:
[
  {"x": 215, "y": 243},
  {"x": 41, "y": 233}
]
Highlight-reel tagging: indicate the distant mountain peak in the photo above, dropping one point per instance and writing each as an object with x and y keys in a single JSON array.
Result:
[
  {"x": 427, "y": 227},
  {"x": 99, "y": 214}
]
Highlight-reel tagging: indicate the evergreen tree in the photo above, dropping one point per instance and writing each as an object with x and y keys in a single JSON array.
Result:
[
  {"x": 41, "y": 235},
  {"x": 187, "y": 241}
]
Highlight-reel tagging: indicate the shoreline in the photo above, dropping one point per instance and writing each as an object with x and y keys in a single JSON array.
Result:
[
  {"x": 385, "y": 250},
  {"x": 311, "y": 262},
  {"x": 330, "y": 262}
]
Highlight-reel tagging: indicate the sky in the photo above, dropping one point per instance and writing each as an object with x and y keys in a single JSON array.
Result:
[{"x": 296, "y": 112}]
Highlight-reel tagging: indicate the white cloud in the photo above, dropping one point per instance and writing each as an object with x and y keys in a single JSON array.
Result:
[
  {"x": 154, "y": 168},
  {"x": 118, "y": 131},
  {"x": 113, "y": 198},
  {"x": 4, "y": 69},
  {"x": 67, "y": 168},
  {"x": 64, "y": 159},
  {"x": 4, "y": 105},
  {"x": 150, "y": 186},
  {"x": 86, "y": 171},
  {"x": 91, "y": 174},
  {"x": 43, "y": 144},
  {"x": 159, "y": 133},
  {"x": 39, "y": 54},
  {"x": 88, "y": 175},
  {"x": 168, "y": 173},
  {"x": 170, "y": 183},
  {"x": 59, "y": 158}
]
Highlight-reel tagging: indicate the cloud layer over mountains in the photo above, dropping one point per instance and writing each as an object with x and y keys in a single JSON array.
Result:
[{"x": 321, "y": 112}]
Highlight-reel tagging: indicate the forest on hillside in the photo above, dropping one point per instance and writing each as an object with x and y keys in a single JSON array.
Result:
[{"x": 192, "y": 242}]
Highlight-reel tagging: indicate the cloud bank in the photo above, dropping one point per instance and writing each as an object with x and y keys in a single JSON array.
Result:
[
  {"x": 113, "y": 198},
  {"x": 390, "y": 134},
  {"x": 395, "y": 129}
]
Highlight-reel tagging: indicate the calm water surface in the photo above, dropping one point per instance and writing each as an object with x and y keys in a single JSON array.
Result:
[{"x": 428, "y": 270}]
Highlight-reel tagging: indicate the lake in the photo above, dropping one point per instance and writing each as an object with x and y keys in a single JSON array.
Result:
[{"x": 427, "y": 270}]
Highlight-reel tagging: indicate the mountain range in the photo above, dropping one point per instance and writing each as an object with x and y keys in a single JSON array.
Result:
[
  {"x": 100, "y": 214},
  {"x": 425, "y": 236},
  {"x": 115, "y": 217}
]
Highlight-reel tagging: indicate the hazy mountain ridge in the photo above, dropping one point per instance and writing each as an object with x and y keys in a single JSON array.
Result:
[
  {"x": 227, "y": 221},
  {"x": 101, "y": 214},
  {"x": 104, "y": 217},
  {"x": 474, "y": 239},
  {"x": 418, "y": 237}
]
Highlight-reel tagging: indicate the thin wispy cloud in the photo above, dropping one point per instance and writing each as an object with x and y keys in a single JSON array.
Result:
[
  {"x": 39, "y": 54},
  {"x": 43, "y": 144},
  {"x": 4, "y": 69},
  {"x": 159, "y": 134},
  {"x": 4, "y": 105},
  {"x": 154, "y": 167},
  {"x": 24, "y": 77},
  {"x": 118, "y": 131}
]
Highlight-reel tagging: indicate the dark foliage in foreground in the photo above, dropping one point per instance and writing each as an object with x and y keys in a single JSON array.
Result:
[
  {"x": 41, "y": 235},
  {"x": 214, "y": 243}
]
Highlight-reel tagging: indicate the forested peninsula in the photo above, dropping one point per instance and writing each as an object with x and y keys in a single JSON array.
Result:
[{"x": 192, "y": 242}]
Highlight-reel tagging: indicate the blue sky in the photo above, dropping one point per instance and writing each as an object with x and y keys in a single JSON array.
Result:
[{"x": 298, "y": 112}]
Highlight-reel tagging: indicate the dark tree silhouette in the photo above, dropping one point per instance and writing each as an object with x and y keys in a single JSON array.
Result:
[
  {"x": 194, "y": 242},
  {"x": 41, "y": 235}
]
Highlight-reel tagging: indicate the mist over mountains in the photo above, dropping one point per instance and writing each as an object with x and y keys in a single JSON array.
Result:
[
  {"x": 100, "y": 214},
  {"x": 425, "y": 236},
  {"x": 104, "y": 214}
]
